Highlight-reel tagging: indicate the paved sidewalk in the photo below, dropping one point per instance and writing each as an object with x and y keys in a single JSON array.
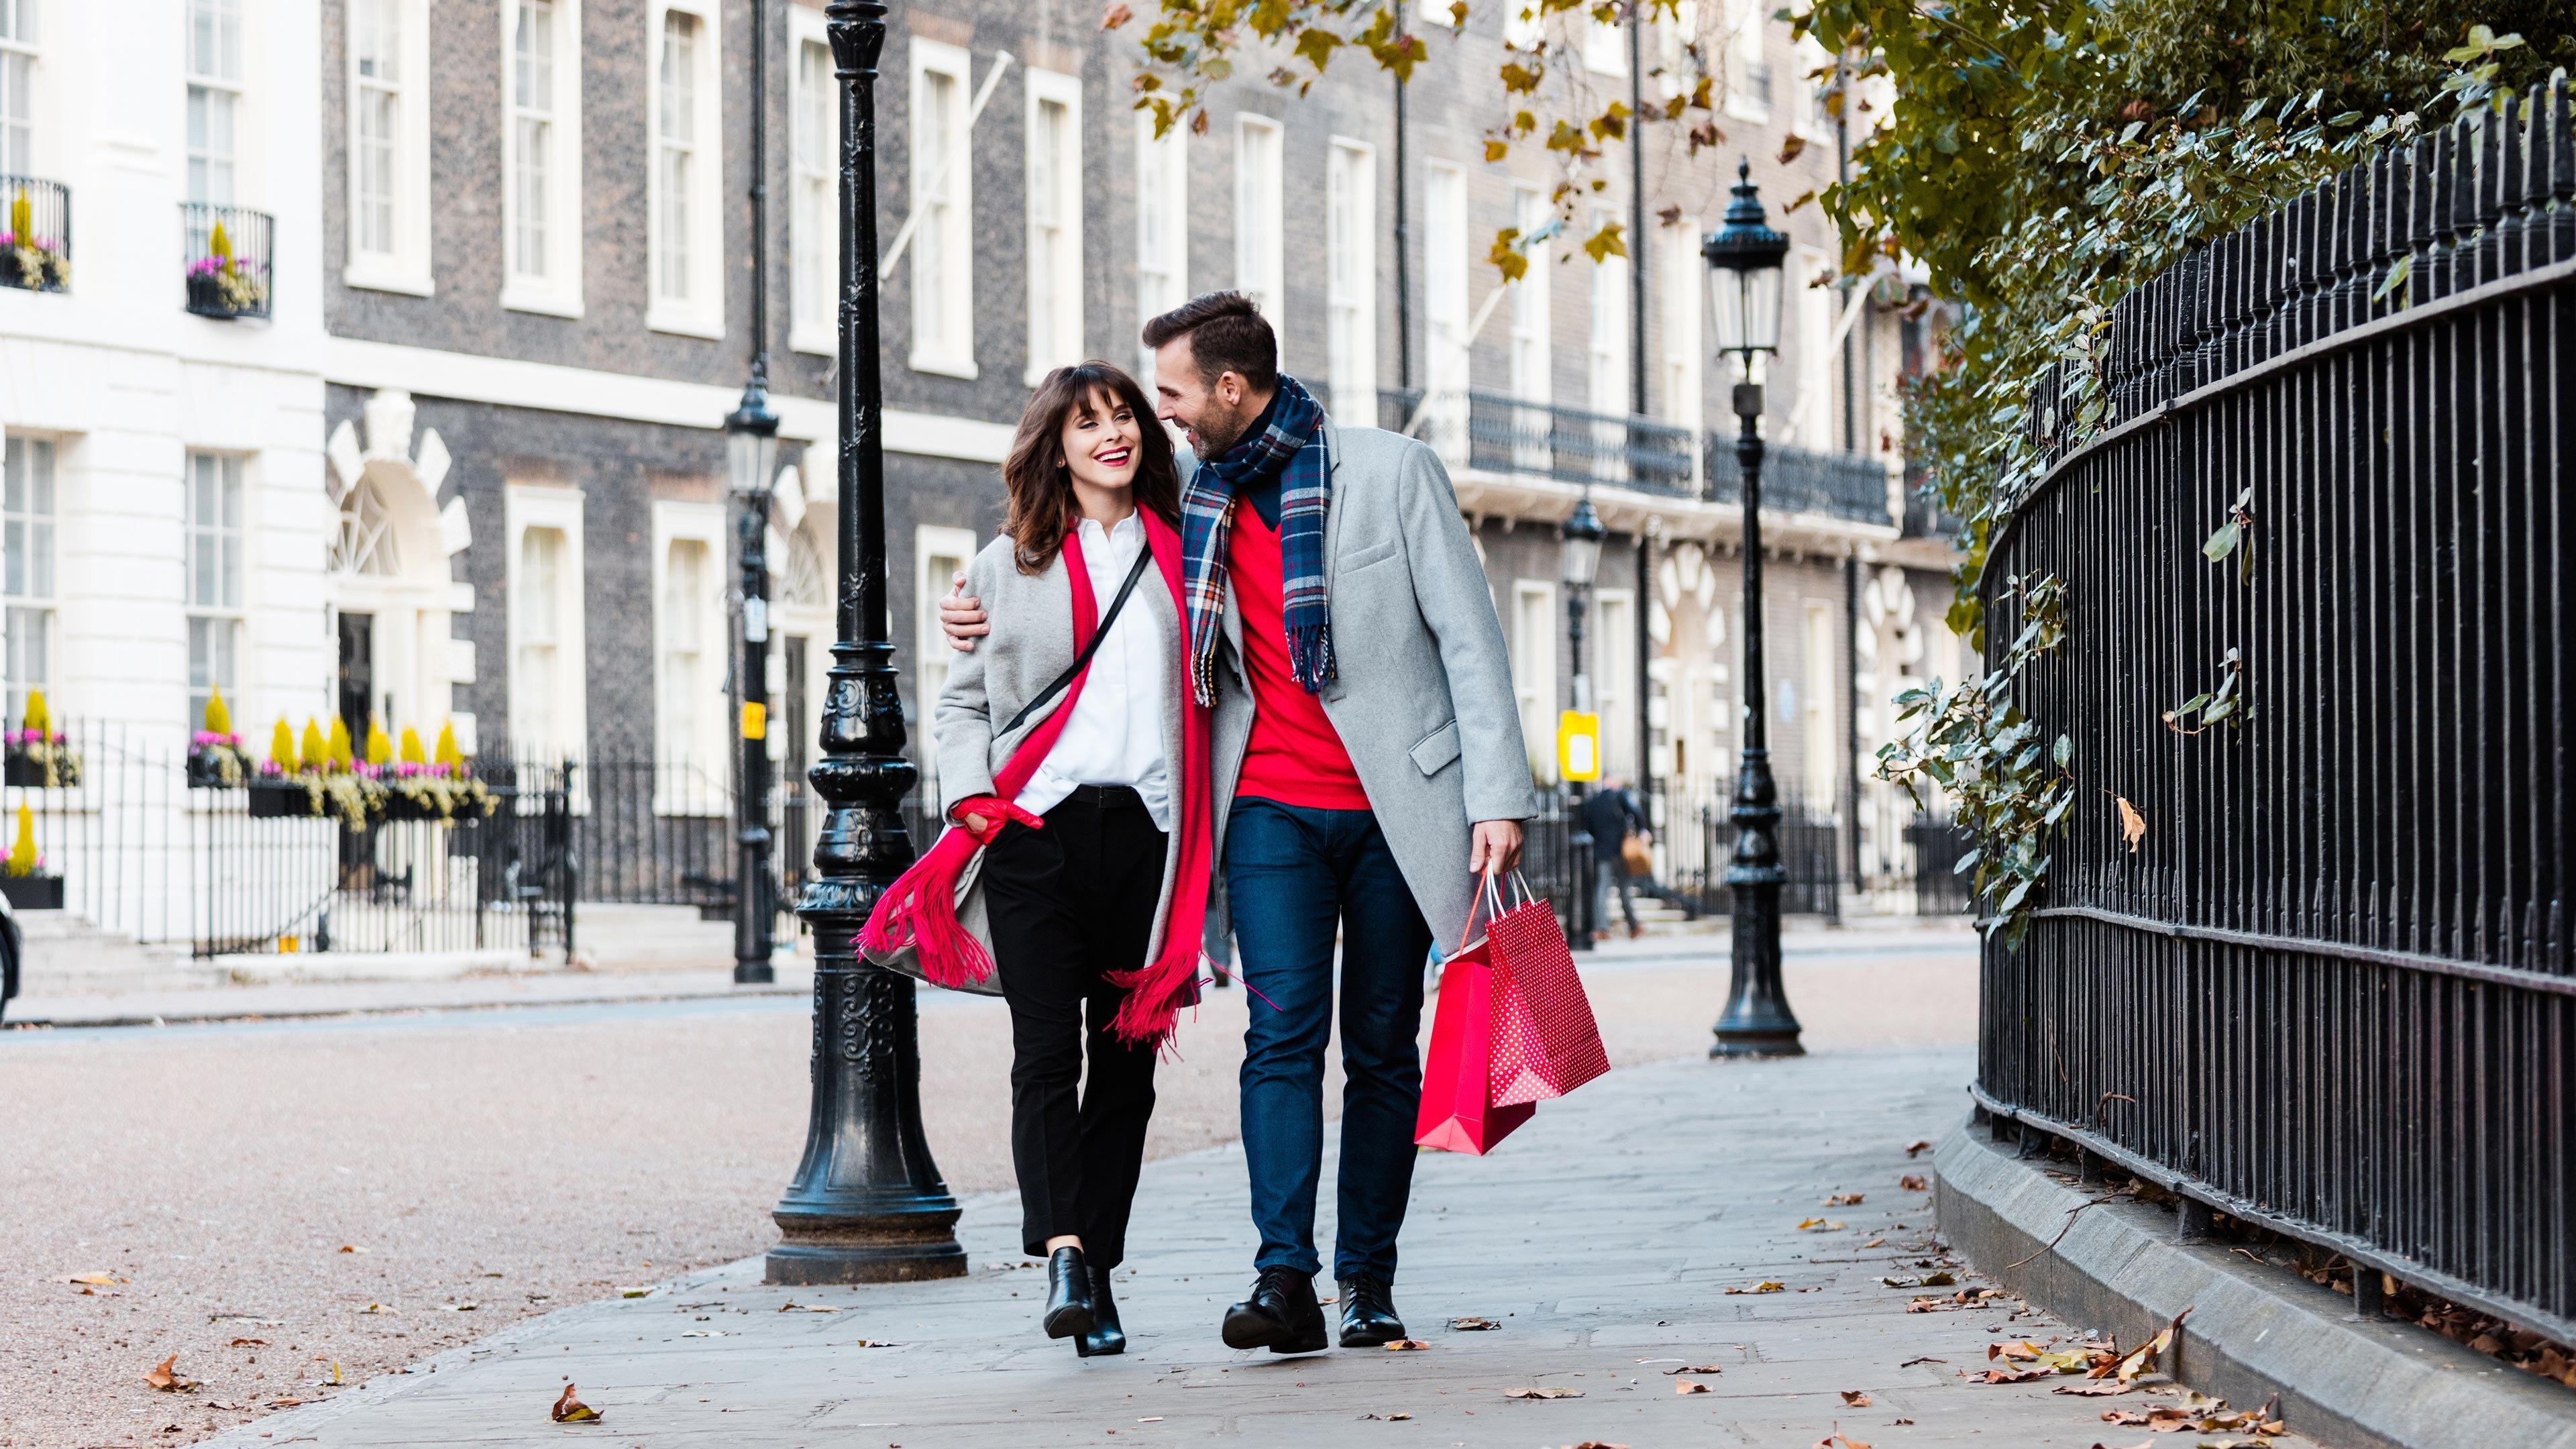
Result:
[{"x": 1604, "y": 1238}]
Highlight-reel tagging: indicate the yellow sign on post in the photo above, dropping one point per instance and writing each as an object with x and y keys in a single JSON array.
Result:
[
  {"x": 1578, "y": 745},
  {"x": 755, "y": 720}
]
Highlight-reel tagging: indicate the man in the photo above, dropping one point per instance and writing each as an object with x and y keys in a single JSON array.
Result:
[
  {"x": 1368, "y": 741},
  {"x": 1610, "y": 816}
]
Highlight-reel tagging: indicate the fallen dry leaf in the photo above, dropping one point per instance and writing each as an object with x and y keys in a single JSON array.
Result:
[
  {"x": 381, "y": 1308},
  {"x": 1690, "y": 1386},
  {"x": 2096, "y": 1388},
  {"x": 1913, "y": 1182},
  {"x": 1875, "y": 1243},
  {"x": 1857, "y": 1398},
  {"x": 569, "y": 1410},
  {"x": 1473, "y": 1325},
  {"x": 2133, "y": 826},
  {"x": 95, "y": 1280},
  {"x": 1843, "y": 1199},
  {"x": 289, "y": 1403},
  {"x": 165, "y": 1377},
  {"x": 1696, "y": 1368},
  {"x": 227, "y": 1405},
  {"x": 2012, "y": 1376},
  {"x": 2142, "y": 1358},
  {"x": 1911, "y": 1148},
  {"x": 1765, "y": 1286},
  {"x": 1840, "y": 1440},
  {"x": 250, "y": 1343},
  {"x": 1405, "y": 1345},
  {"x": 1819, "y": 1225},
  {"x": 1544, "y": 1392},
  {"x": 1928, "y": 1280}
]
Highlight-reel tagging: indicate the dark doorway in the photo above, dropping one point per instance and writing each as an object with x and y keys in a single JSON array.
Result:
[{"x": 357, "y": 674}]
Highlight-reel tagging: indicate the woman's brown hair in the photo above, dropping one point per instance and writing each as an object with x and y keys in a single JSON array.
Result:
[{"x": 1035, "y": 475}]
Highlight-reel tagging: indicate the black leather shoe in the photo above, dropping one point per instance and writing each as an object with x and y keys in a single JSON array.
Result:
[
  {"x": 1368, "y": 1314},
  {"x": 1068, "y": 1305},
  {"x": 1281, "y": 1315},
  {"x": 1105, "y": 1337}
]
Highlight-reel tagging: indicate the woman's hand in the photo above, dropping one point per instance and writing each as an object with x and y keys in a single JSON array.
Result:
[{"x": 983, "y": 816}]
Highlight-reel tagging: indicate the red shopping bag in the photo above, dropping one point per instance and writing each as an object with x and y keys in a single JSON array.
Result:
[
  {"x": 1457, "y": 1115},
  {"x": 1545, "y": 1041}
]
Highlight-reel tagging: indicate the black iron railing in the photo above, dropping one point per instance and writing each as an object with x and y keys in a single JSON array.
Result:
[
  {"x": 1500, "y": 434},
  {"x": 35, "y": 234},
  {"x": 1848, "y": 486},
  {"x": 229, "y": 253},
  {"x": 2330, "y": 991}
]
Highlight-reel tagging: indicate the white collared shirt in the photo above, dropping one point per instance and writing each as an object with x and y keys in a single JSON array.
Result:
[{"x": 1115, "y": 734}]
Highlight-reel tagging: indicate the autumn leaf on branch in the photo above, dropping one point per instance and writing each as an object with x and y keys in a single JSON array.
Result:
[
  {"x": 1605, "y": 243},
  {"x": 1116, "y": 15}
]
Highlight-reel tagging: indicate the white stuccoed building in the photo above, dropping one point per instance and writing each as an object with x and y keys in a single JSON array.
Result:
[{"x": 165, "y": 508}]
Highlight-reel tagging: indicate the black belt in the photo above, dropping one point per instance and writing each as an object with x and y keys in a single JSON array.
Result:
[{"x": 1106, "y": 797}]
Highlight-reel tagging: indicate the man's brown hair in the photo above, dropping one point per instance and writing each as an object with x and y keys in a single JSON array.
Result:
[{"x": 1227, "y": 334}]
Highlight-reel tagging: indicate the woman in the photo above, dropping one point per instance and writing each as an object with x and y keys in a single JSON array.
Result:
[{"x": 1073, "y": 765}]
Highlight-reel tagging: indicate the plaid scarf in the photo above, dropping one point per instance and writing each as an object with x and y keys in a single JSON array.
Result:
[{"x": 1291, "y": 448}]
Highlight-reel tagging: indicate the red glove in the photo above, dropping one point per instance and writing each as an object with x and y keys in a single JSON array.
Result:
[{"x": 996, "y": 812}]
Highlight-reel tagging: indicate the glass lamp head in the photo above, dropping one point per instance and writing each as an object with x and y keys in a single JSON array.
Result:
[
  {"x": 1581, "y": 534},
  {"x": 751, "y": 443},
  {"x": 1744, "y": 258}
]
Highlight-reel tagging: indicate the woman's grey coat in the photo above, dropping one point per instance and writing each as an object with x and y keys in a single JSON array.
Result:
[
  {"x": 1032, "y": 643},
  {"x": 1423, "y": 695}
]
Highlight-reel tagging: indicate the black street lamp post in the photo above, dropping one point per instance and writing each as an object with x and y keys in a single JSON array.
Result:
[
  {"x": 751, "y": 455},
  {"x": 751, "y": 460},
  {"x": 1580, "y": 557},
  {"x": 1744, "y": 304},
  {"x": 867, "y": 1205}
]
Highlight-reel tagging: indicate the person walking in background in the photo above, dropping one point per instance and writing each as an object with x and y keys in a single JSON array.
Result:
[
  {"x": 1611, "y": 817},
  {"x": 1368, "y": 765},
  {"x": 1092, "y": 815}
]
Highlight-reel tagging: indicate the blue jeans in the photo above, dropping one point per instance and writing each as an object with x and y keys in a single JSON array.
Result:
[{"x": 1294, "y": 875}]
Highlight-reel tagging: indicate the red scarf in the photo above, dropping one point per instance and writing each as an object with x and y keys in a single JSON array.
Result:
[{"x": 920, "y": 909}]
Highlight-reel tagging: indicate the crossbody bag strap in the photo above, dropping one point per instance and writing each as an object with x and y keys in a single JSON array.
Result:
[{"x": 1144, "y": 557}]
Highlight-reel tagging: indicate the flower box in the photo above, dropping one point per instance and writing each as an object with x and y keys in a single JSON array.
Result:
[
  {"x": 219, "y": 764},
  {"x": 281, "y": 800},
  {"x": 40, "y": 765},
  {"x": 33, "y": 892}
]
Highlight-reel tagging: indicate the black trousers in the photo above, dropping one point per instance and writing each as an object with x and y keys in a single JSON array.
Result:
[{"x": 1068, "y": 905}]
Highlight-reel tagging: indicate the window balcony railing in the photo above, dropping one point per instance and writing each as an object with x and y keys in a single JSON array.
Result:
[
  {"x": 1503, "y": 434},
  {"x": 1850, "y": 486},
  {"x": 229, "y": 251},
  {"x": 35, "y": 234}
]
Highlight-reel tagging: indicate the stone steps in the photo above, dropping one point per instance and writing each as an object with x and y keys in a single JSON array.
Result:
[{"x": 67, "y": 955}]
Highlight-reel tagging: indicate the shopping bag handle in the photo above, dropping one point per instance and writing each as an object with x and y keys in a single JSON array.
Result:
[{"x": 1487, "y": 896}]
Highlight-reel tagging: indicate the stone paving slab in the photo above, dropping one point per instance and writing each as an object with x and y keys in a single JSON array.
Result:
[{"x": 1603, "y": 1237}]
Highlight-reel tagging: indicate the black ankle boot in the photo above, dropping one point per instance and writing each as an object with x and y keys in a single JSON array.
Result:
[
  {"x": 1068, "y": 1305},
  {"x": 1281, "y": 1315},
  {"x": 1368, "y": 1314},
  {"x": 1106, "y": 1336}
]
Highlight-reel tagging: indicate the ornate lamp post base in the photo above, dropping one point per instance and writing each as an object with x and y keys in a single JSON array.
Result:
[{"x": 1757, "y": 1021}]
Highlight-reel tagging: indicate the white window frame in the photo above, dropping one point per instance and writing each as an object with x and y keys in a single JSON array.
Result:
[
  {"x": 223, "y": 616},
  {"x": 943, "y": 255},
  {"x": 22, "y": 43},
  {"x": 1162, "y": 228},
  {"x": 931, "y": 654},
  {"x": 701, "y": 746},
  {"x": 813, "y": 174},
  {"x": 1447, "y": 263},
  {"x": 1749, "y": 55},
  {"x": 406, "y": 266},
  {"x": 1350, "y": 279},
  {"x": 1685, "y": 391},
  {"x": 1824, "y": 737},
  {"x": 40, "y": 607},
  {"x": 556, "y": 290},
  {"x": 1532, "y": 369},
  {"x": 1522, "y": 23},
  {"x": 218, "y": 81},
  {"x": 1615, "y": 679},
  {"x": 1811, "y": 310},
  {"x": 1534, "y": 626},
  {"x": 701, "y": 312},
  {"x": 1606, "y": 359},
  {"x": 526, "y": 506},
  {"x": 1807, "y": 117},
  {"x": 1260, "y": 203},
  {"x": 1605, "y": 47},
  {"x": 1055, "y": 335}
]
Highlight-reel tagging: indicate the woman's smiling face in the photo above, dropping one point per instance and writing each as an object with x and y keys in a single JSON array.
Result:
[{"x": 1101, "y": 438}]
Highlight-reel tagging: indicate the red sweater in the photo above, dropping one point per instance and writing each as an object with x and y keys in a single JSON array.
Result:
[{"x": 1295, "y": 757}]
